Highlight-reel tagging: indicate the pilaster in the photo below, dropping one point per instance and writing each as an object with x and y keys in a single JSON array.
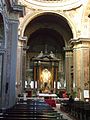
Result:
[
  {"x": 21, "y": 65},
  {"x": 68, "y": 69},
  {"x": 11, "y": 48},
  {"x": 81, "y": 67}
]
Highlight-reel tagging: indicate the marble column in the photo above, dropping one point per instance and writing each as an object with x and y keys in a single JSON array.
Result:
[
  {"x": 35, "y": 75},
  {"x": 68, "y": 69},
  {"x": 53, "y": 84},
  {"x": 21, "y": 65},
  {"x": 11, "y": 50},
  {"x": 81, "y": 67}
]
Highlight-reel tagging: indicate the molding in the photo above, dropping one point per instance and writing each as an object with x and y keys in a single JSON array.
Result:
[
  {"x": 53, "y": 5},
  {"x": 12, "y": 20},
  {"x": 73, "y": 41},
  {"x": 16, "y": 8},
  {"x": 3, "y": 51},
  {"x": 24, "y": 38}
]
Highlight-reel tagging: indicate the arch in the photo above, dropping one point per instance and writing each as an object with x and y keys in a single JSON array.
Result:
[
  {"x": 58, "y": 48},
  {"x": 29, "y": 18}
]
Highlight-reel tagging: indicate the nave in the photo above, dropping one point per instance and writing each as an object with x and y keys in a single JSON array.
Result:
[{"x": 32, "y": 109}]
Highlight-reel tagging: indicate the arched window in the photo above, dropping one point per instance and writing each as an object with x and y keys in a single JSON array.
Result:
[{"x": 1, "y": 32}]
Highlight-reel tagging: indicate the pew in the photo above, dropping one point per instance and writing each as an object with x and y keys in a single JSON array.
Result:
[{"x": 30, "y": 110}]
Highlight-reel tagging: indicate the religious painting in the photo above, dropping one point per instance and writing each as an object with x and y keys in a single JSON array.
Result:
[{"x": 45, "y": 78}]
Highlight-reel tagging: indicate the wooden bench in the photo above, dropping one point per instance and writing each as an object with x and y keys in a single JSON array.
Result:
[{"x": 33, "y": 110}]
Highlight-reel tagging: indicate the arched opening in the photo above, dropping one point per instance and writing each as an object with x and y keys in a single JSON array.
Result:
[{"x": 47, "y": 32}]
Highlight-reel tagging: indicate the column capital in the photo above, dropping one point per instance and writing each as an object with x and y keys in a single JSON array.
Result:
[
  {"x": 22, "y": 42},
  {"x": 79, "y": 40},
  {"x": 14, "y": 7},
  {"x": 80, "y": 43}
]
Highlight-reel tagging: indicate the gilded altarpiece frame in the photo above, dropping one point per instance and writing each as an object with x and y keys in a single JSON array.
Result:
[{"x": 45, "y": 73}]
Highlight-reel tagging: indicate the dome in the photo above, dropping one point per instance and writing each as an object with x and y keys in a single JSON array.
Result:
[{"x": 53, "y": 4}]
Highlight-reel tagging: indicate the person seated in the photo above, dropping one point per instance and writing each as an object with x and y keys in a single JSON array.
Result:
[{"x": 70, "y": 103}]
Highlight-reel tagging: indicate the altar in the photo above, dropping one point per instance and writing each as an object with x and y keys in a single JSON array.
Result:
[
  {"x": 48, "y": 98},
  {"x": 45, "y": 70},
  {"x": 46, "y": 95}
]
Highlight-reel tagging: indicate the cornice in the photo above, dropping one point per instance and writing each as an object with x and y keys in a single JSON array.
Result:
[
  {"x": 79, "y": 40},
  {"x": 15, "y": 7}
]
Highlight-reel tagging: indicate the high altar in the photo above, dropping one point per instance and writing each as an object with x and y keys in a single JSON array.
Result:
[{"x": 45, "y": 68}]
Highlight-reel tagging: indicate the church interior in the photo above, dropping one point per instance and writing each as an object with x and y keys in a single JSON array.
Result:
[{"x": 44, "y": 59}]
